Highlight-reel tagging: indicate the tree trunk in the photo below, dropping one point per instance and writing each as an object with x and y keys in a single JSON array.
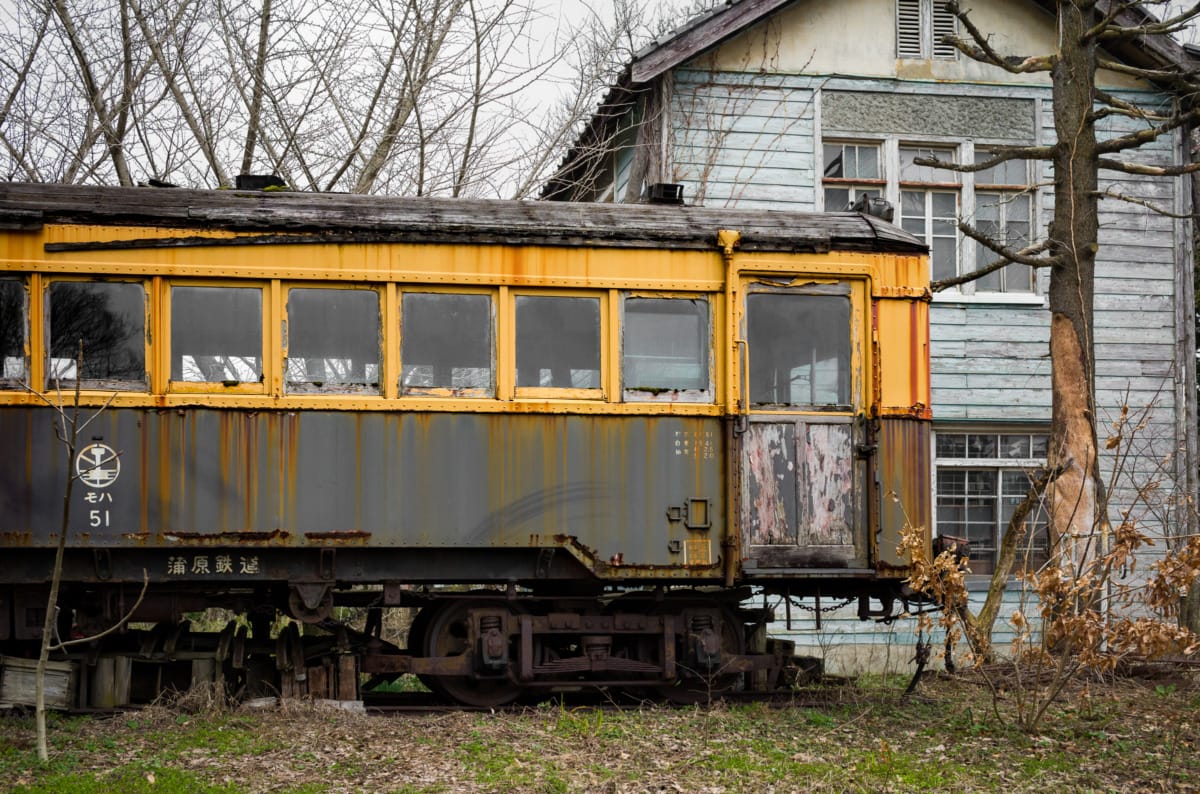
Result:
[{"x": 1076, "y": 498}]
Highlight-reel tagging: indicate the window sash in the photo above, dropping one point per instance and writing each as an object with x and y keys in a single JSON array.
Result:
[
  {"x": 14, "y": 333},
  {"x": 981, "y": 478}
]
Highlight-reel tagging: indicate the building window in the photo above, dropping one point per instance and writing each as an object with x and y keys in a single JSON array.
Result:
[
  {"x": 852, "y": 170},
  {"x": 929, "y": 200},
  {"x": 921, "y": 26},
  {"x": 664, "y": 348},
  {"x": 216, "y": 335},
  {"x": 109, "y": 319},
  {"x": 558, "y": 342},
  {"x": 332, "y": 340},
  {"x": 1003, "y": 212},
  {"x": 446, "y": 344},
  {"x": 13, "y": 330},
  {"x": 981, "y": 478}
]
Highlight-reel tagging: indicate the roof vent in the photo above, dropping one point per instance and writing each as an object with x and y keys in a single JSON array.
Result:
[
  {"x": 873, "y": 206},
  {"x": 664, "y": 193},
  {"x": 260, "y": 182}
]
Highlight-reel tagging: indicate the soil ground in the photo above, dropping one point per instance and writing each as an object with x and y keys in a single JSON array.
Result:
[{"x": 953, "y": 735}]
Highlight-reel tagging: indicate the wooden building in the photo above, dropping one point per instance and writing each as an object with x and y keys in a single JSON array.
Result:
[{"x": 812, "y": 104}]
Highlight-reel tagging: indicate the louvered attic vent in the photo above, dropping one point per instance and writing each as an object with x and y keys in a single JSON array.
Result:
[
  {"x": 944, "y": 24},
  {"x": 908, "y": 28},
  {"x": 920, "y": 26}
]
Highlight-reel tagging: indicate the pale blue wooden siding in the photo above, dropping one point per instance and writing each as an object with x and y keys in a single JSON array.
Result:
[
  {"x": 851, "y": 646},
  {"x": 749, "y": 143}
]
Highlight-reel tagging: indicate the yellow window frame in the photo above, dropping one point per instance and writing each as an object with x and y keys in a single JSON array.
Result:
[
  {"x": 691, "y": 396},
  {"x": 95, "y": 384},
  {"x": 493, "y": 295},
  {"x": 270, "y": 373},
  {"x": 18, "y": 384},
  {"x": 286, "y": 290},
  {"x": 786, "y": 283},
  {"x": 608, "y": 304}
]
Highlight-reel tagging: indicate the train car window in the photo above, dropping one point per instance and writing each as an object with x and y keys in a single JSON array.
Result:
[
  {"x": 13, "y": 330},
  {"x": 332, "y": 340},
  {"x": 109, "y": 318},
  {"x": 799, "y": 349},
  {"x": 216, "y": 334},
  {"x": 446, "y": 344},
  {"x": 665, "y": 348},
  {"x": 558, "y": 342}
]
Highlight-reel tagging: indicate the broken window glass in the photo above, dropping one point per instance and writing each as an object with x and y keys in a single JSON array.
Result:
[
  {"x": 664, "y": 344},
  {"x": 558, "y": 342},
  {"x": 333, "y": 340},
  {"x": 12, "y": 333},
  {"x": 216, "y": 334},
  {"x": 799, "y": 347},
  {"x": 109, "y": 319},
  {"x": 446, "y": 343}
]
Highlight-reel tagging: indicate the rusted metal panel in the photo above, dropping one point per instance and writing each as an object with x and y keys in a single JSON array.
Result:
[
  {"x": 801, "y": 495},
  {"x": 828, "y": 485},
  {"x": 769, "y": 480},
  {"x": 599, "y": 486},
  {"x": 903, "y": 467}
]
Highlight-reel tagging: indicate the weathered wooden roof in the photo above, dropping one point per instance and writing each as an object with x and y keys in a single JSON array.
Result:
[
  {"x": 286, "y": 216},
  {"x": 703, "y": 32}
]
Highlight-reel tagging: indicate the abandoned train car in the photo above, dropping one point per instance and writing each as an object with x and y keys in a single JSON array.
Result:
[{"x": 609, "y": 421}]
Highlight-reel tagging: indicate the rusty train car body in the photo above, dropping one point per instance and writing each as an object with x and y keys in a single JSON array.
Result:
[{"x": 610, "y": 421}]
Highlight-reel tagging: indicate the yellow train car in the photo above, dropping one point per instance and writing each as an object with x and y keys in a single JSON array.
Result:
[{"x": 615, "y": 420}]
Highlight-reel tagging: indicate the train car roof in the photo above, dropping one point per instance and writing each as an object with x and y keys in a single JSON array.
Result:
[{"x": 286, "y": 216}]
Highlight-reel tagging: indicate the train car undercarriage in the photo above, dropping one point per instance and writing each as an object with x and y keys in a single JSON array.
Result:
[{"x": 475, "y": 647}]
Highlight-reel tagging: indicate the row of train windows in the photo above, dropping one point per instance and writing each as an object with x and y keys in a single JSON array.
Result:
[
  {"x": 333, "y": 338},
  {"x": 447, "y": 341}
]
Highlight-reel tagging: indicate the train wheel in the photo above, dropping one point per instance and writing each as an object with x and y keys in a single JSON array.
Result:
[
  {"x": 447, "y": 635},
  {"x": 693, "y": 686}
]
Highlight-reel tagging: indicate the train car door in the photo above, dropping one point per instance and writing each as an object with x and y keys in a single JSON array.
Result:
[{"x": 802, "y": 485}]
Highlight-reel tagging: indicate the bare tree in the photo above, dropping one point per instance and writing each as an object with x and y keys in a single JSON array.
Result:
[
  {"x": 1076, "y": 497},
  {"x": 464, "y": 98},
  {"x": 69, "y": 424}
]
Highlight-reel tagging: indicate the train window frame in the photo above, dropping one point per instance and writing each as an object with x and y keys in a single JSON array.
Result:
[
  {"x": 489, "y": 392},
  {"x": 10, "y": 379},
  {"x": 266, "y": 360},
  {"x": 139, "y": 384},
  {"x": 560, "y": 392},
  {"x": 853, "y": 290},
  {"x": 315, "y": 388},
  {"x": 645, "y": 394}
]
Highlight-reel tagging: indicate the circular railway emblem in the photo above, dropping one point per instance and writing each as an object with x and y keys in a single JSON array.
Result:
[{"x": 97, "y": 465}]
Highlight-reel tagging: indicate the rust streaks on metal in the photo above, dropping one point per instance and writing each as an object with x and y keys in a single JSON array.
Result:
[
  {"x": 338, "y": 535},
  {"x": 228, "y": 537}
]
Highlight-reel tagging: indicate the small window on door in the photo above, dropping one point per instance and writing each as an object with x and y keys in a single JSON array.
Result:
[{"x": 799, "y": 347}]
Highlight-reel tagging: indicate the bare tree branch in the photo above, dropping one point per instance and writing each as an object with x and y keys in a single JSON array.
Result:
[
  {"x": 983, "y": 52},
  {"x": 1023, "y": 257}
]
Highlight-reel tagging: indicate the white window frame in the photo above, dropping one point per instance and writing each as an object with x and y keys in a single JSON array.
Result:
[
  {"x": 963, "y": 183},
  {"x": 996, "y": 464}
]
